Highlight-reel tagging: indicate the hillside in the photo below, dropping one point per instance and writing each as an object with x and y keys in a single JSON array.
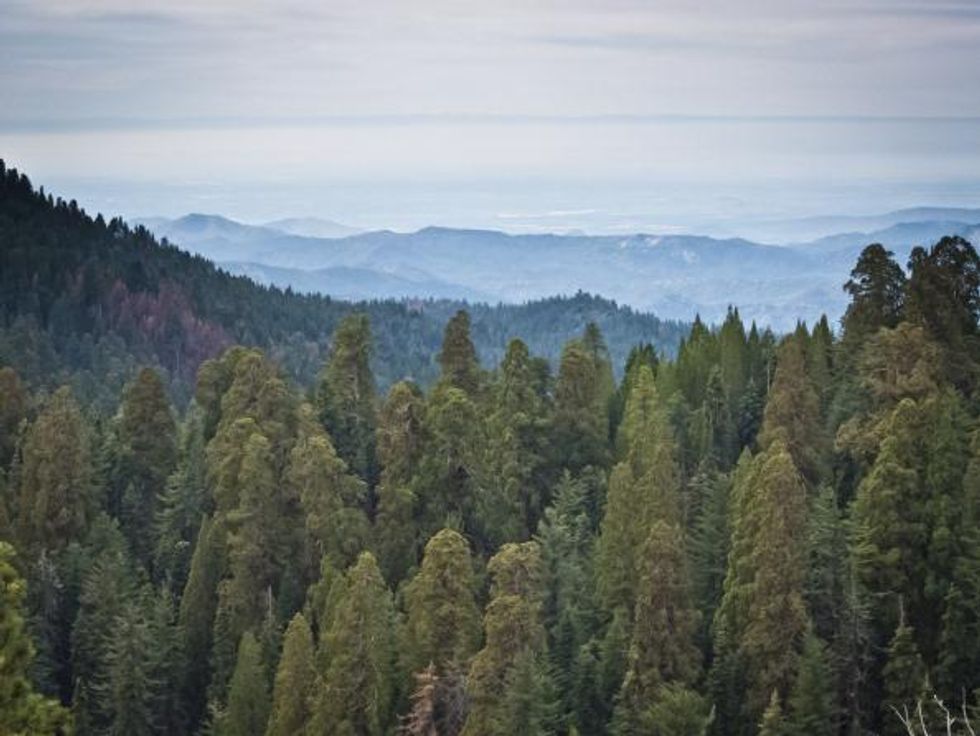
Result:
[
  {"x": 90, "y": 300},
  {"x": 673, "y": 276}
]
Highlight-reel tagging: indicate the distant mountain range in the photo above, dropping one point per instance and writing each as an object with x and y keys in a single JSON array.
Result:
[{"x": 674, "y": 276}]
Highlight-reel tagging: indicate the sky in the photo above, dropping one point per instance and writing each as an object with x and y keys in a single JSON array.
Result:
[{"x": 602, "y": 115}]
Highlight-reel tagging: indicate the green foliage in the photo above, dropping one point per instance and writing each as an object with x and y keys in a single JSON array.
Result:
[
  {"x": 512, "y": 662},
  {"x": 834, "y": 580},
  {"x": 147, "y": 456},
  {"x": 442, "y": 626},
  {"x": 22, "y": 710},
  {"x": 358, "y": 686},
  {"x": 248, "y": 694},
  {"x": 295, "y": 679},
  {"x": 56, "y": 475},
  {"x": 460, "y": 367},
  {"x": 643, "y": 488},
  {"x": 346, "y": 396},
  {"x": 662, "y": 650},
  {"x": 811, "y": 701},
  {"x": 401, "y": 441}
]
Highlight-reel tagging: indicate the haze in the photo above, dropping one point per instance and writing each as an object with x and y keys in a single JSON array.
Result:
[{"x": 524, "y": 116}]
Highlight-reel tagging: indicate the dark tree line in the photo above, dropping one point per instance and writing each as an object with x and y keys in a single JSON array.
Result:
[{"x": 88, "y": 302}]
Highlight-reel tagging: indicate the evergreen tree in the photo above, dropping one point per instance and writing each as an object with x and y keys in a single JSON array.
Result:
[
  {"x": 442, "y": 624},
  {"x": 196, "y": 617},
  {"x": 14, "y": 403},
  {"x": 56, "y": 476},
  {"x": 508, "y": 682},
  {"x": 762, "y": 608},
  {"x": 792, "y": 413},
  {"x": 181, "y": 507},
  {"x": 346, "y": 396},
  {"x": 22, "y": 710},
  {"x": 147, "y": 457},
  {"x": 812, "y": 700},
  {"x": 773, "y": 722},
  {"x": 662, "y": 650},
  {"x": 567, "y": 541},
  {"x": 401, "y": 441},
  {"x": 904, "y": 678},
  {"x": 511, "y": 492},
  {"x": 294, "y": 683},
  {"x": 642, "y": 489},
  {"x": 581, "y": 420},
  {"x": 247, "y": 712},
  {"x": 678, "y": 711},
  {"x": 460, "y": 367},
  {"x": 331, "y": 499},
  {"x": 358, "y": 687},
  {"x": 107, "y": 587},
  {"x": 445, "y": 483},
  {"x": 877, "y": 291}
]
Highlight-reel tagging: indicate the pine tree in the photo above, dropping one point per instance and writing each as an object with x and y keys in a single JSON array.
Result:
[
  {"x": 56, "y": 476},
  {"x": 401, "y": 440},
  {"x": 331, "y": 499},
  {"x": 679, "y": 711},
  {"x": 129, "y": 690},
  {"x": 346, "y": 397},
  {"x": 567, "y": 541},
  {"x": 904, "y": 678},
  {"x": 512, "y": 658},
  {"x": 877, "y": 290},
  {"x": 812, "y": 700},
  {"x": 581, "y": 419},
  {"x": 295, "y": 680},
  {"x": 358, "y": 687},
  {"x": 773, "y": 722},
  {"x": 662, "y": 649},
  {"x": 762, "y": 609},
  {"x": 511, "y": 490},
  {"x": 460, "y": 367},
  {"x": 442, "y": 624},
  {"x": 247, "y": 712},
  {"x": 181, "y": 507},
  {"x": 14, "y": 403},
  {"x": 147, "y": 457},
  {"x": 643, "y": 488},
  {"x": 445, "y": 483},
  {"x": 256, "y": 551},
  {"x": 106, "y": 588},
  {"x": 792, "y": 413},
  {"x": 22, "y": 710},
  {"x": 196, "y": 616}
]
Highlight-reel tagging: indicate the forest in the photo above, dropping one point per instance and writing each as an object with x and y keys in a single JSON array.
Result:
[
  {"x": 750, "y": 534},
  {"x": 85, "y": 302}
]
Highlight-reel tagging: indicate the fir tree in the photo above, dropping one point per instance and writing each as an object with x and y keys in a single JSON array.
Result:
[
  {"x": 56, "y": 476},
  {"x": 401, "y": 440},
  {"x": 662, "y": 650},
  {"x": 358, "y": 687},
  {"x": 460, "y": 367},
  {"x": 147, "y": 456},
  {"x": 442, "y": 624},
  {"x": 811, "y": 702},
  {"x": 346, "y": 396},
  {"x": 294, "y": 683},
  {"x": 22, "y": 710},
  {"x": 247, "y": 712},
  {"x": 511, "y": 662}
]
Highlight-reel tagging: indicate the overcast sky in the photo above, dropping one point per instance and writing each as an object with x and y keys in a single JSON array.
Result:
[{"x": 603, "y": 114}]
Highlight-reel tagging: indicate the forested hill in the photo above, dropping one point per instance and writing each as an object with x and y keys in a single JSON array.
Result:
[{"x": 87, "y": 301}]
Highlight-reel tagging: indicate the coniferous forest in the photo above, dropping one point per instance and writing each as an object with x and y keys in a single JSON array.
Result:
[{"x": 725, "y": 533}]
